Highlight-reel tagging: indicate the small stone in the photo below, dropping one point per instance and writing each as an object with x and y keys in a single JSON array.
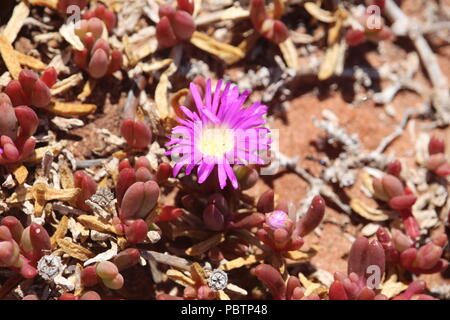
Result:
[{"x": 49, "y": 266}]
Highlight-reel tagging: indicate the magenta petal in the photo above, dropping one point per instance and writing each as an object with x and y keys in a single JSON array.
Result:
[
  {"x": 222, "y": 176},
  {"x": 230, "y": 174},
  {"x": 204, "y": 171}
]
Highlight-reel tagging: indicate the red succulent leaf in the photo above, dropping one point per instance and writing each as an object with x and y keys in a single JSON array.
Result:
[
  {"x": 126, "y": 178},
  {"x": 136, "y": 232},
  {"x": 28, "y": 121},
  {"x": 363, "y": 255},
  {"x": 435, "y": 161},
  {"x": 27, "y": 79},
  {"x": 266, "y": 202},
  {"x": 115, "y": 62},
  {"x": 272, "y": 279},
  {"x": 98, "y": 64},
  {"x": 165, "y": 34},
  {"x": 139, "y": 200},
  {"x": 88, "y": 188},
  {"x": 169, "y": 213},
  {"x": 127, "y": 258},
  {"x": 443, "y": 170},
  {"x": 246, "y": 221},
  {"x": 14, "y": 226},
  {"x": 166, "y": 10},
  {"x": 280, "y": 32},
  {"x": 354, "y": 37},
  {"x": 213, "y": 218},
  {"x": 16, "y": 94},
  {"x": 68, "y": 296},
  {"x": 89, "y": 276},
  {"x": 337, "y": 291},
  {"x": 186, "y": 5},
  {"x": 163, "y": 173},
  {"x": 436, "y": 145},
  {"x": 183, "y": 25},
  {"x": 40, "y": 94},
  {"x": 392, "y": 185},
  {"x": 257, "y": 13},
  {"x": 49, "y": 76},
  {"x": 81, "y": 58},
  {"x": 410, "y": 224},
  {"x": 136, "y": 133},
  {"x": 40, "y": 240},
  {"x": 313, "y": 216},
  {"x": 402, "y": 202},
  {"x": 394, "y": 168},
  {"x": 9, "y": 124},
  {"x": 414, "y": 292}
]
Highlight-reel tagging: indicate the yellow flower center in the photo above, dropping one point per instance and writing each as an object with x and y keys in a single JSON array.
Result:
[{"x": 216, "y": 142}]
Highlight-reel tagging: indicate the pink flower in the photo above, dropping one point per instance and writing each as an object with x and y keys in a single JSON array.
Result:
[
  {"x": 277, "y": 219},
  {"x": 221, "y": 133}
]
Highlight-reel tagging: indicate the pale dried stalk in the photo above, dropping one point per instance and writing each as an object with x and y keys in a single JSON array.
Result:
[{"x": 403, "y": 25}]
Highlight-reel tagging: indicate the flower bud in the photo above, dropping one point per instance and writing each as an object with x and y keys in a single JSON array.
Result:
[{"x": 277, "y": 219}]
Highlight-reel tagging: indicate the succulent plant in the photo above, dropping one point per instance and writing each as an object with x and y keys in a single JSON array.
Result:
[
  {"x": 169, "y": 213},
  {"x": 414, "y": 292},
  {"x": 30, "y": 90},
  {"x": 175, "y": 25},
  {"x": 218, "y": 217},
  {"x": 368, "y": 31},
  {"x": 437, "y": 161},
  {"x": 270, "y": 28},
  {"x": 137, "y": 195},
  {"x": 21, "y": 248},
  {"x": 97, "y": 58},
  {"x": 87, "y": 186},
  {"x": 17, "y": 125},
  {"x": 108, "y": 272},
  {"x": 401, "y": 249},
  {"x": 137, "y": 134},
  {"x": 104, "y": 14},
  {"x": 365, "y": 260},
  {"x": 278, "y": 288},
  {"x": 282, "y": 234},
  {"x": 390, "y": 189}
]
